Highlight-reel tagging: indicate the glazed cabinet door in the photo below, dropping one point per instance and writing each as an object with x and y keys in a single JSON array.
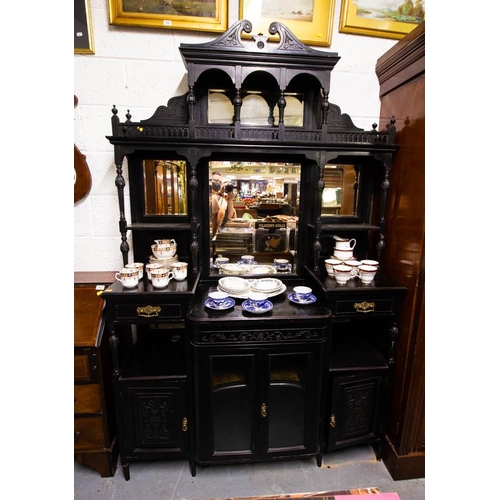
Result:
[
  {"x": 356, "y": 406},
  {"x": 227, "y": 410},
  {"x": 155, "y": 419},
  {"x": 290, "y": 405}
]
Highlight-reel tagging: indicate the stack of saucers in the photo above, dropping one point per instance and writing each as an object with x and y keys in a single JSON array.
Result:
[
  {"x": 167, "y": 262},
  {"x": 269, "y": 286},
  {"x": 234, "y": 286}
]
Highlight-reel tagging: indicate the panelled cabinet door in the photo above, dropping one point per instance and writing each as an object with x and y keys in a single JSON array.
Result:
[
  {"x": 155, "y": 417},
  {"x": 290, "y": 400},
  {"x": 227, "y": 404},
  {"x": 355, "y": 408}
]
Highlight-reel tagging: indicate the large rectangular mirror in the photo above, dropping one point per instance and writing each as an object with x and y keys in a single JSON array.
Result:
[{"x": 254, "y": 209}]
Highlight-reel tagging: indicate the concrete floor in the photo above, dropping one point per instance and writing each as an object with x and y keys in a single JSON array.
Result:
[{"x": 354, "y": 467}]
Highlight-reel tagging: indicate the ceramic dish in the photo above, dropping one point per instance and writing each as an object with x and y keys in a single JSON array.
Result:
[
  {"x": 283, "y": 270},
  {"x": 266, "y": 285},
  {"x": 263, "y": 269},
  {"x": 244, "y": 296},
  {"x": 311, "y": 299},
  {"x": 233, "y": 285},
  {"x": 266, "y": 306},
  {"x": 227, "y": 304},
  {"x": 234, "y": 269}
]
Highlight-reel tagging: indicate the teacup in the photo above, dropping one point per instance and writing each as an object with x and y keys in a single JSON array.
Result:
[
  {"x": 344, "y": 243},
  {"x": 366, "y": 273},
  {"x": 137, "y": 265},
  {"x": 342, "y": 254},
  {"x": 302, "y": 293},
  {"x": 221, "y": 260},
  {"x": 247, "y": 259},
  {"x": 257, "y": 299},
  {"x": 128, "y": 277},
  {"x": 166, "y": 242},
  {"x": 161, "y": 277},
  {"x": 368, "y": 262},
  {"x": 329, "y": 263},
  {"x": 281, "y": 264},
  {"x": 151, "y": 266},
  {"x": 180, "y": 270},
  {"x": 342, "y": 273},
  {"x": 163, "y": 251},
  {"x": 218, "y": 298},
  {"x": 354, "y": 265}
]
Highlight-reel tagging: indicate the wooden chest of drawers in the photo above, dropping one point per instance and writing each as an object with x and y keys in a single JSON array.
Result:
[{"x": 94, "y": 421}]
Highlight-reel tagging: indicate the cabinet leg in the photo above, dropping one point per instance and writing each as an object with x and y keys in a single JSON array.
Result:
[
  {"x": 126, "y": 471},
  {"x": 192, "y": 466},
  {"x": 319, "y": 458}
]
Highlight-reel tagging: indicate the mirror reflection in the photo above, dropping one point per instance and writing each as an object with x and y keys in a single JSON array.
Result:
[
  {"x": 254, "y": 210},
  {"x": 340, "y": 194},
  {"x": 164, "y": 187}
]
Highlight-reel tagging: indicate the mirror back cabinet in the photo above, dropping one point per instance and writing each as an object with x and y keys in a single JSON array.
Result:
[{"x": 255, "y": 131}]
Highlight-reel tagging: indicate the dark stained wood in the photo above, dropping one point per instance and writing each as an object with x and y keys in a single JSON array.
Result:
[
  {"x": 401, "y": 73},
  {"x": 94, "y": 428}
]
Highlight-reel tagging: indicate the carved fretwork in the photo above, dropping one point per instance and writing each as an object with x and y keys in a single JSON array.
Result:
[
  {"x": 274, "y": 336},
  {"x": 358, "y": 411},
  {"x": 175, "y": 112},
  {"x": 155, "y": 415}
]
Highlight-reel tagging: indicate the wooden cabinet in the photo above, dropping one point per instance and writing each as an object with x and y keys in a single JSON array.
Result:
[
  {"x": 258, "y": 383},
  {"x": 94, "y": 423},
  {"x": 401, "y": 73},
  {"x": 252, "y": 387}
]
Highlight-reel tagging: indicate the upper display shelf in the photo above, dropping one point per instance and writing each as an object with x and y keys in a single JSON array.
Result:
[{"x": 255, "y": 91}]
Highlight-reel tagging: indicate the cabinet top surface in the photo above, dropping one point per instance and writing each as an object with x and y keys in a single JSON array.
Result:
[
  {"x": 283, "y": 309},
  {"x": 380, "y": 285}
]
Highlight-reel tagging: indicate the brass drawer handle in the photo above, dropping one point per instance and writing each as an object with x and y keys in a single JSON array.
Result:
[
  {"x": 263, "y": 410},
  {"x": 332, "y": 421},
  {"x": 148, "y": 311},
  {"x": 184, "y": 424},
  {"x": 364, "y": 307}
]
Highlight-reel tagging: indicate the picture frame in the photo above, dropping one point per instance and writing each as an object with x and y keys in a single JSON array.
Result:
[
  {"x": 363, "y": 17},
  {"x": 155, "y": 14},
  {"x": 83, "y": 32},
  {"x": 312, "y": 24}
]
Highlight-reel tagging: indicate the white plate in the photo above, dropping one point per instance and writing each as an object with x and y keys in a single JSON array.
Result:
[
  {"x": 266, "y": 285},
  {"x": 234, "y": 269},
  {"x": 263, "y": 269},
  {"x": 233, "y": 284},
  {"x": 245, "y": 295}
]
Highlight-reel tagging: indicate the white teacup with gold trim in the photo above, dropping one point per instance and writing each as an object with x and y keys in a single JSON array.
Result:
[
  {"x": 179, "y": 270},
  {"x": 128, "y": 277},
  {"x": 161, "y": 277},
  {"x": 137, "y": 265}
]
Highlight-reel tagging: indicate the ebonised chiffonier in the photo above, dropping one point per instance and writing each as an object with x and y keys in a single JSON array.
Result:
[{"x": 218, "y": 386}]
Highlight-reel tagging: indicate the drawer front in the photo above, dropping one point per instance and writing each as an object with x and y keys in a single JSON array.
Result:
[
  {"x": 85, "y": 367},
  {"x": 363, "y": 307},
  {"x": 138, "y": 312},
  {"x": 89, "y": 433},
  {"x": 87, "y": 398}
]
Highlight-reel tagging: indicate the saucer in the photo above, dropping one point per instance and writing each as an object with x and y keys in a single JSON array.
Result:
[
  {"x": 267, "y": 306},
  {"x": 227, "y": 304},
  {"x": 287, "y": 269},
  {"x": 311, "y": 300}
]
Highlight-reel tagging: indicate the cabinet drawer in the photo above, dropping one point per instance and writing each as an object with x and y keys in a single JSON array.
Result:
[
  {"x": 85, "y": 367},
  {"x": 89, "y": 433},
  {"x": 87, "y": 398},
  {"x": 363, "y": 306},
  {"x": 147, "y": 311}
]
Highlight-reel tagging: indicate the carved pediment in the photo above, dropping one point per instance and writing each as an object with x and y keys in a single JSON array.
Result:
[
  {"x": 174, "y": 113},
  {"x": 338, "y": 120}
]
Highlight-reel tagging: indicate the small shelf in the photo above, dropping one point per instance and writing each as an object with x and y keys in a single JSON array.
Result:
[
  {"x": 356, "y": 356},
  {"x": 159, "y": 226},
  {"x": 348, "y": 227},
  {"x": 156, "y": 354}
]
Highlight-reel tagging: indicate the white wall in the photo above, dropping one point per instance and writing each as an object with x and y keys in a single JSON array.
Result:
[{"x": 140, "y": 69}]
